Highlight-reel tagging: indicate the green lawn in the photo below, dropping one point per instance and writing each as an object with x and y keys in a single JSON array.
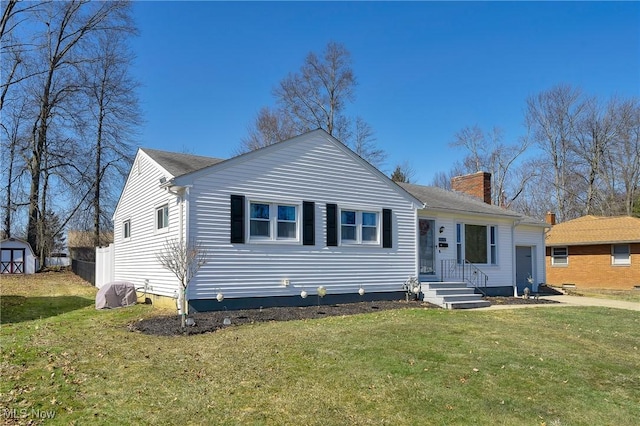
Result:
[
  {"x": 550, "y": 365},
  {"x": 603, "y": 293}
]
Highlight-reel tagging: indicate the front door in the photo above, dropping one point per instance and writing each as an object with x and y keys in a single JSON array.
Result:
[
  {"x": 524, "y": 269},
  {"x": 427, "y": 249}
]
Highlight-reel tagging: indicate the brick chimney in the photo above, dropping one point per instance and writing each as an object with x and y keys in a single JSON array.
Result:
[
  {"x": 477, "y": 185},
  {"x": 550, "y": 218}
]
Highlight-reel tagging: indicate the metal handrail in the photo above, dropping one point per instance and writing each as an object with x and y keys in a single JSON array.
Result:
[{"x": 465, "y": 271}]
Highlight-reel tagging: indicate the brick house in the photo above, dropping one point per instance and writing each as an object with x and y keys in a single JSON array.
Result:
[{"x": 594, "y": 252}]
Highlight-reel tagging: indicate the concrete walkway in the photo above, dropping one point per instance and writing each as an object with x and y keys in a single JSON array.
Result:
[{"x": 565, "y": 300}]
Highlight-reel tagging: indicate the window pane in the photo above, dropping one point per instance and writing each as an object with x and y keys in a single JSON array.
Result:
[
  {"x": 287, "y": 213},
  {"x": 369, "y": 234},
  {"x": 475, "y": 240},
  {"x": 126, "y": 229},
  {"x": 162, "y": 217},
  {"x": 259, "y": 228},
  {"x": 621, "y": 254},
  {"x": 559, "y": 255},
  {"x": 259, "y": 211},
  {"x": 348, "y": 217},
  {"x": 369, "y": 219},
  {"x": 348, "y": 233},
  {"x": 286, "y": 230}
]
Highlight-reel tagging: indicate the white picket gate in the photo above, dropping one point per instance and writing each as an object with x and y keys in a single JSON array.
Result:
[{"x": 105, "y": 265}]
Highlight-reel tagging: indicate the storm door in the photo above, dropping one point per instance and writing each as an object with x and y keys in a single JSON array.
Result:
[{"x": 427, "y": 248}]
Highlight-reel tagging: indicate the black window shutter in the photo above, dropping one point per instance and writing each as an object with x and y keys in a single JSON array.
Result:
[
  {"x": 387, "y": 235},
  {"x": 237, "y": 219},
  {"x": 308, "y": 223},
  {"x": 332, "y": 224}
]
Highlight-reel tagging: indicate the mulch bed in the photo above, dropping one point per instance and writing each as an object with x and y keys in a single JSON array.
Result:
[
  {"x": 519, "y": 301},
  {"x": 207, "y": 322}
]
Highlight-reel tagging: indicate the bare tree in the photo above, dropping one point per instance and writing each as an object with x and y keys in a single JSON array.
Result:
[
  {"x": 114, "y": 115},
  {"x": 596, "y": 130},
  {"x": 316, "y": 97},
  {"x": 67, "y": 29},
  {"x": 552, "y": 115},
  {"x": 621, "y": 166},
  {"x": 365, "y": 144},
  {"x": 270, "y": 126},
  {"x": 487, "y": 152},
  {"x": 184, "y": 260}
]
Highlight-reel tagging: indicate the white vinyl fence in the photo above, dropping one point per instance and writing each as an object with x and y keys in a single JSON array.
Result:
[{"x": 105, "y": 268}]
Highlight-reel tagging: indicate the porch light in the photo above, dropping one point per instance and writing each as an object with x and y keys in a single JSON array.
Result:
[{"x": 441, "y": 229}]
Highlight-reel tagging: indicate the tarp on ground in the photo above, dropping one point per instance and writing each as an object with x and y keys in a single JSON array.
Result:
[{"x": 116, "y": 294}]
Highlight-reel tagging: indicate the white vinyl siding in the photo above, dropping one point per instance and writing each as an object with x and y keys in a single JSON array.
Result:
[
  {"x": 559, "y": 256},
  {"x": 318, "y": 171},
  {"x": 135, "y": 261},
  {"x": 620, "y": 254}
]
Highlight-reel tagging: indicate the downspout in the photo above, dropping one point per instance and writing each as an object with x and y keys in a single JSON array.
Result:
[
  {"x": 185, "y": 219},
  {"x": 179, "y": 192}
]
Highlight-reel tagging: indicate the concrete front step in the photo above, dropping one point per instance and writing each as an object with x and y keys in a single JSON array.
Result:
[
  {"x": 452, "y": 295},
  {"x": 468, "y": 305}
]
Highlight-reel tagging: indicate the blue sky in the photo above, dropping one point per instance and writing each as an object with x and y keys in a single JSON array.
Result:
[{"x": 425, "y": 69}]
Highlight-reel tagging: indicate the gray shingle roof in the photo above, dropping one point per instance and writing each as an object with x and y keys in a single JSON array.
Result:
[
  {"x": 436, "y": 198},
  {"x": 180, "y": 164}
]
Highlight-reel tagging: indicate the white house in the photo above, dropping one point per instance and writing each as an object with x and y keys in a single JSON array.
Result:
[
  {"x": 17, "y": 257},
  {"x": 279, "y": 222}
]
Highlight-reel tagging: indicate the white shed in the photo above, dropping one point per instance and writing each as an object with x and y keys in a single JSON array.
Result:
[{"x": 17, "y": 257}]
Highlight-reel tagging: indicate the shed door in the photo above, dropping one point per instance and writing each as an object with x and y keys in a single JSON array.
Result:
[
  {"x": 12, "y": 261},
  {"x": 524, "y": 269}
]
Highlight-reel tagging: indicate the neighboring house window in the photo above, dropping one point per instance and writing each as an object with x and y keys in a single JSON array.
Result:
[
  {"x": 359, "y": 227},
  {"x": 162, "y": 217},
  {"x": 126, "y": 229},
  {"x": 270, "y": 221},
  {"x": 620, "y": 254},
  {"x": 479, "y": 243},
  {"x": 559, "y": 256}
]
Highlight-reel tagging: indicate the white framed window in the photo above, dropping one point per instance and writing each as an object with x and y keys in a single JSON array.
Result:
[
  {"x": 620, "y": 254},
  {"x": 126, "y": 229},
  {"x": 162, "y": 217},
  {"x": 477, "y": 243},
  {"x": 274, "y": 222},
  {"x": 559, "y": 256},
  {"x": 359, "y": 227}
]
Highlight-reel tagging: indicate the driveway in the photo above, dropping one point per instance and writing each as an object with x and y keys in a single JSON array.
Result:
[{"x": 565, "y": 300}]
